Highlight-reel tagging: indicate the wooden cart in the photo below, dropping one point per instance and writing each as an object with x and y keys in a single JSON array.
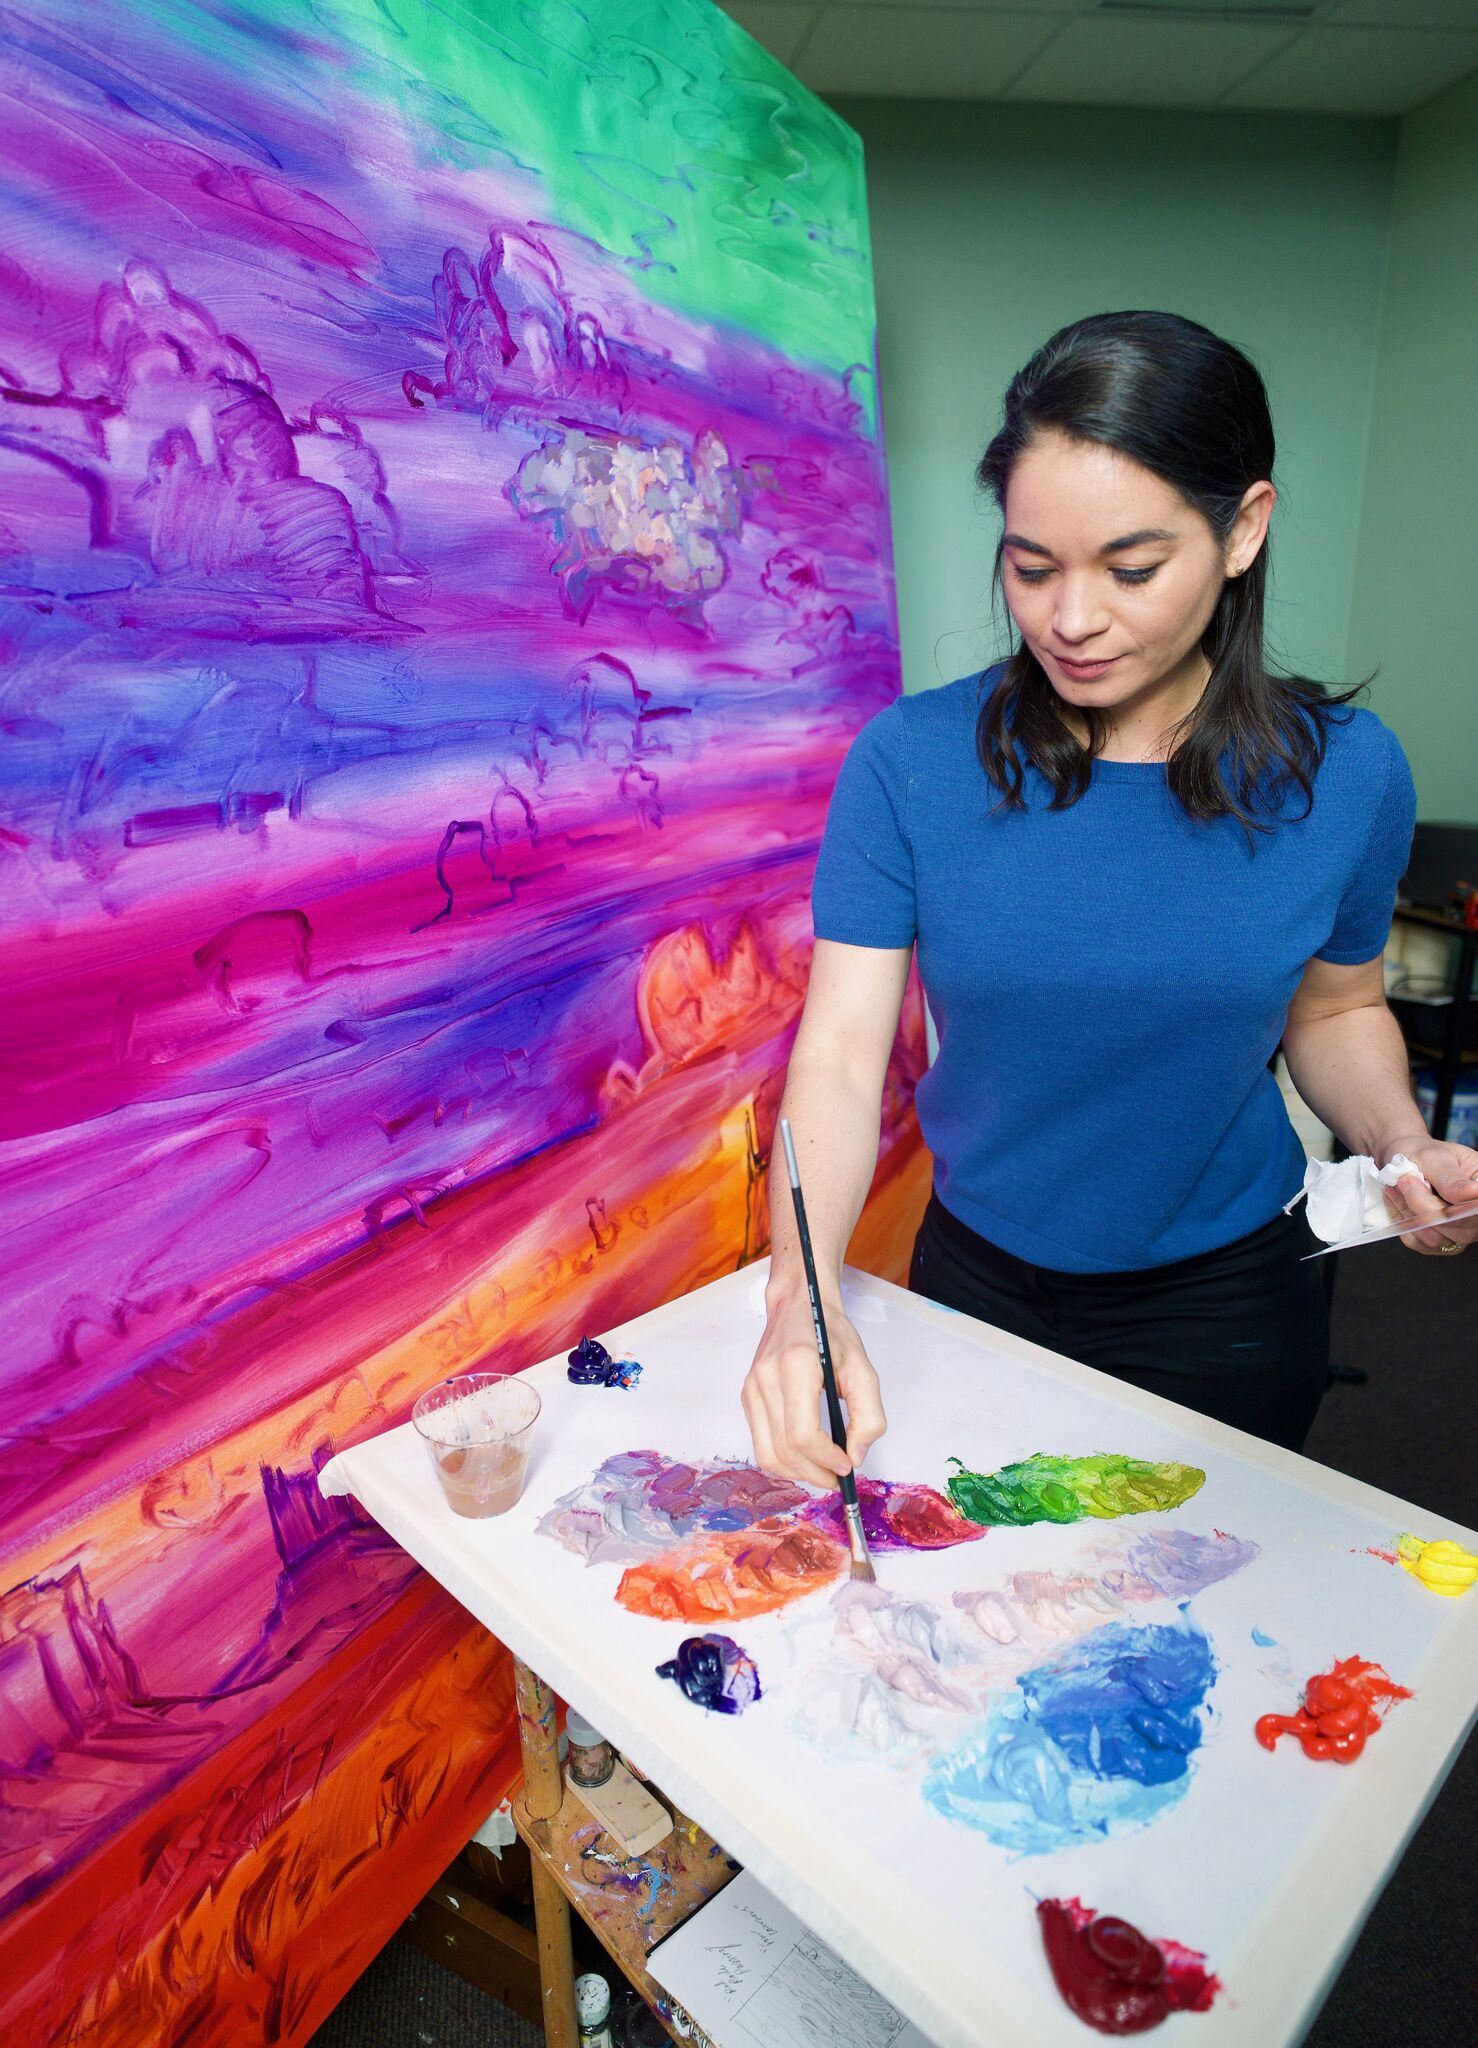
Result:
[{"x": 629, "y": 1903}]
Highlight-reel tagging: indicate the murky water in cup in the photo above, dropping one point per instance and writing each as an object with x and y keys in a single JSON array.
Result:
[{"x": 477, "y": 1428}]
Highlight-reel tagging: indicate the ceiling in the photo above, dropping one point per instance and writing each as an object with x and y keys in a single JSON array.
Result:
[{"x": 1311, "y": 56}]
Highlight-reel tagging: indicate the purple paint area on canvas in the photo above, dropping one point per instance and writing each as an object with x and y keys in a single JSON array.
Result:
[
  {"x": 86, "y": 1690},
  {"x": 397, "y": 654}
]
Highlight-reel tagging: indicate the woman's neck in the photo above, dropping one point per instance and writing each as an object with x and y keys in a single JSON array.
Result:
[{"x": 1145, "y": 729}]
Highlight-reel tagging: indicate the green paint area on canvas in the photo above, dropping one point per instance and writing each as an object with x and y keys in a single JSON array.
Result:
[
  {"x": 685, "y": 153},
  {"x": 1043, "y": 1489}
]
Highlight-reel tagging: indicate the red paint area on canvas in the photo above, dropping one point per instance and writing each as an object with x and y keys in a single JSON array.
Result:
[
  {"x": 1342, "y": 1709},
  {"x": 1115, "y": 1978}
]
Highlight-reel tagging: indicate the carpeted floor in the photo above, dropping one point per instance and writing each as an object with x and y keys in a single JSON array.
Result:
[{"x": 1412, "y": 1324}]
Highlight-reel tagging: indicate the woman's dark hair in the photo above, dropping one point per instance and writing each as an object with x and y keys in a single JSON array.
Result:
[{"x": 1192, "y": 409}]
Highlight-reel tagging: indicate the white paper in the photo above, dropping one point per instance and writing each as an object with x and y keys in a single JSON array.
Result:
[{"x": 753, "y": 1976}]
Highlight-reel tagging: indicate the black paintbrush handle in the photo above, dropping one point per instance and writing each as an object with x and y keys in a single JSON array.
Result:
[{"x": 847, "y": 1481}]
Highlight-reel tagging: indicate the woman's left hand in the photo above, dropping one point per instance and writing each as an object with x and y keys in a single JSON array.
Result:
[{"x": 1453, "y": 1172}]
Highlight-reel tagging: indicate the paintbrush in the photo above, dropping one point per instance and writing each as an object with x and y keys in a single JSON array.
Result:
[{"x": 852, "y": 1512}]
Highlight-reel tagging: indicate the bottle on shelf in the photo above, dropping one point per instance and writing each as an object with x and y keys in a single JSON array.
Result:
[{"x": 593, "y": 2010}]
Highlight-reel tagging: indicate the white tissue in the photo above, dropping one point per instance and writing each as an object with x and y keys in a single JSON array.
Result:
[{"x": 1345, "y": 1199}]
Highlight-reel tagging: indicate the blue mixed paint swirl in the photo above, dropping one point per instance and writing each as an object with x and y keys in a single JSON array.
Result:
[{"x": 1097, "y": 1740}]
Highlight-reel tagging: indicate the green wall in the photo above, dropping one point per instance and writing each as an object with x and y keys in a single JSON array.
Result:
[
  {"x": 994, "y": 225},
  {"x": 1417, "y": 559}
]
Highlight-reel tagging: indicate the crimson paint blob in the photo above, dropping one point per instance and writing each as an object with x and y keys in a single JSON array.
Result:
[
  {"x": 1342, "y": 1709},
  {"x": 1115, "y": 1978}
]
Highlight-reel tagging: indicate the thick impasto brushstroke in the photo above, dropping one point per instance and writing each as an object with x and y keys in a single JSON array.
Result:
[
  {"x": 729, "y": 1578},
  {"x": 1043, "y": 1709},
  {"x": 1043, "y": 1489},
  {"x": 443, "y": 559},
  {"x": 720, "y": 1538},
  {"x": 898, "y": 1517},
  {"x": 1096, "y": 1741}
]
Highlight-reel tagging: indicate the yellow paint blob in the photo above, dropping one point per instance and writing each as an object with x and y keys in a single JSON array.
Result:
[{"x": 1445, "y": 1567}]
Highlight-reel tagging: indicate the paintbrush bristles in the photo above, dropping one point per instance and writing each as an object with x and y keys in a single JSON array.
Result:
[{"x": 857, "y": 1543}]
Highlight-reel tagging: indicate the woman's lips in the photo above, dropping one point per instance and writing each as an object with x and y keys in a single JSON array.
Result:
[{"x": 1084, "y": 671}]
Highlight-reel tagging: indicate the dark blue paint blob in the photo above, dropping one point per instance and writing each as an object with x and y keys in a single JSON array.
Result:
[
  {"x": 714, "y": 1672},
  {"x": 1123, "y": 1702},
  {"x": 591, "y": 1365},
  {"x": 589, "y": 1362}
]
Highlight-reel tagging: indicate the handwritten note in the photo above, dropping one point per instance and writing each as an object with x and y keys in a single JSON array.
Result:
[{"x": 749, "y": 1972}]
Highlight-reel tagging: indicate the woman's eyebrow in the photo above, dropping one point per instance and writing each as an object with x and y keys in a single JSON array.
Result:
[
  {"x": 1135, "y": 540},
  {"x": 1110, "y": 547}
]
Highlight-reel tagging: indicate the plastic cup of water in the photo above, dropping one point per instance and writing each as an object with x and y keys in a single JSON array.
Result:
[{"x": 477, "y": 1428}]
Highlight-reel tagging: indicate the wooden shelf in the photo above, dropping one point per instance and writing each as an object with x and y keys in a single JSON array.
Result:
[{"x": 630, "y": 1903}]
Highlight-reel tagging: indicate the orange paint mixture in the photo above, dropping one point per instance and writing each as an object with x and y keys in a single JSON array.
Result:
[{"x": 739, "y": 1573}]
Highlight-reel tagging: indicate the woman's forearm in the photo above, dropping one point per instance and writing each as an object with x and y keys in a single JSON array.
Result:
[
  {"x": 836, "y": 1120},
  {"x": 1350, "y": 1068}
]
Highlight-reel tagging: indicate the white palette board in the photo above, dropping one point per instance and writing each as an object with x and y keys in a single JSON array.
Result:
[{"x": 1269, "y": 1864}]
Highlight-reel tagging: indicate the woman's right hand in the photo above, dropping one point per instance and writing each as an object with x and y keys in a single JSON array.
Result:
[{"x": 782, "y": 1394}]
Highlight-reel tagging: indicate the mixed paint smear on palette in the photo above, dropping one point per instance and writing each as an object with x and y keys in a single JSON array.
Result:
[
  {"x": 1045, "y": 1710},
  {"x": 1115, "y": 1978},
  {"x": 1095, "y": 1741},
  {"x": 1046, "y": 1489},
  {"x": 443, "y": 561},
  {"x": 722, "y": 1539}
]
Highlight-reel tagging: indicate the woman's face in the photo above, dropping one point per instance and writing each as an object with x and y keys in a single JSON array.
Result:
[{"x": 1112, "y": 577}]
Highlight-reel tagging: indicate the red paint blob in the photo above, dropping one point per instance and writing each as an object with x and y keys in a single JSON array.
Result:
[
  {"x": 1342, "y": 1709},
  {"x": 1115, "y": 1978}
]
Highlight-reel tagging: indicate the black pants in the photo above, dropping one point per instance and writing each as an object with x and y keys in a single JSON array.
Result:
[{"x": 1241, "y": 1334}]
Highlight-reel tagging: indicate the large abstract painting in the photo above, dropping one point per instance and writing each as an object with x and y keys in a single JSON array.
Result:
[{"x": 444, "y": 556}]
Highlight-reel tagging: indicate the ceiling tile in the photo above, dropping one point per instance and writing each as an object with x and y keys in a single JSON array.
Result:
[
  {"x": 920, "y": 52},
  {"x": 1359, "y": 71},
  {"x": 1136, "y": 62},
  {"x": 1404, "y": 13},
  {"x": 780, "y": 29}
]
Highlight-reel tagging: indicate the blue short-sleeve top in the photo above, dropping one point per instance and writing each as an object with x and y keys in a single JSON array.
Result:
[{"x": 1110, "y": 980}]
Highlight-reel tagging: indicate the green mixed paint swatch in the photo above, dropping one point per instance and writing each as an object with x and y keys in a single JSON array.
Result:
[{"x": 1043, "y": 1489}]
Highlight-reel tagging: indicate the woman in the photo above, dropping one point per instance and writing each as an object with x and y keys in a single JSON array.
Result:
[{"x": 1132, "y": 861}]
